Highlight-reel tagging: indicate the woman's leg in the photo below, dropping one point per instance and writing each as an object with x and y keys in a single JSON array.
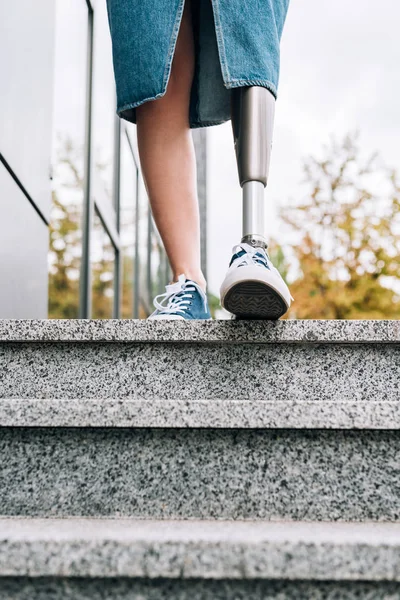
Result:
[{"x": 168, "y": 161}]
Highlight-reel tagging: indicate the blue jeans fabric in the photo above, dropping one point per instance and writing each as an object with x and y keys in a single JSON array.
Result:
[{"x": 237, "y": 44}]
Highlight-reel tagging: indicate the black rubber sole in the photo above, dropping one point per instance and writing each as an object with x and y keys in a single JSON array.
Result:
[{"x": 254, "y": 300}]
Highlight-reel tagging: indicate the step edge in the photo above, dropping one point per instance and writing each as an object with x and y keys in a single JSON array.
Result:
[
  {"x": 199, "y": 414},
  {"x": 199, "y": 549},
  {"x": 230, "y": 332}
]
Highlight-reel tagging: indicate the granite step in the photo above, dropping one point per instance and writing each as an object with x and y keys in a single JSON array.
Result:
[
  {"x": 211, "y": 459},
  {"x": 131, "y": 559},
  {"x": 290, "y": 420},
  {"x": 288, "y": 360},
  {"x": 213, "y": 413}
]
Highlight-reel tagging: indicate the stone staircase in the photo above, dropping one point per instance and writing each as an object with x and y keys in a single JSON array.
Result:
[{"x": 217, "y": 460}]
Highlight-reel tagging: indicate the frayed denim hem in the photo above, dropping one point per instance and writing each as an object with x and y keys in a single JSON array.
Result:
[
  {"x": 198, "y": 124},
  {"x": 133, "y": 105},
  {"x": 130, "y": 113}
]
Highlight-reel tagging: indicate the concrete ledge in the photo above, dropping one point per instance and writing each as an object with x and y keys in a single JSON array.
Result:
[
  {"x": 224, "y": 414},
  {"x": 199, "y": 549},
  {"x": 293, "y": 331}
]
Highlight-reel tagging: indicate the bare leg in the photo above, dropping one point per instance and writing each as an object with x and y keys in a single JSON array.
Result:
[{"x": 168, "y": 161}]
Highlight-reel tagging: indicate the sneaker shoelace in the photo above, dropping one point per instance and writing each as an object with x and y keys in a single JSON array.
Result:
[
  {"x": 247, "y": 255},
  {"x": 177, "y": 297}
]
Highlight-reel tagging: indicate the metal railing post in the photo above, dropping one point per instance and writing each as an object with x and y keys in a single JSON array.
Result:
[
  {"x": 85, "y": 281},
  {"x": 136, "y": 258},
  {"x": 117, "y": 206}
]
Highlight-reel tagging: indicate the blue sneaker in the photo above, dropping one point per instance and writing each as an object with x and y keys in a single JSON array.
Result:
[
  {"x": 182, "y": 300},
  {"x": 253, "y": 288}
]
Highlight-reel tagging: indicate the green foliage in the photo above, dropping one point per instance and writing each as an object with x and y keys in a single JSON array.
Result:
[
  {"x": 65, "y": 243},
  {"x": 348, "y": 228},
  {"x": 65, "y": 250},
  {"x": 278, "y": 258},
  {"x": 213, "y": 303},
  {"x": 345, "y": 254}
]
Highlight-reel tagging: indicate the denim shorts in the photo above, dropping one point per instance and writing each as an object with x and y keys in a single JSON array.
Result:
[{"x": 236, "y": 42}]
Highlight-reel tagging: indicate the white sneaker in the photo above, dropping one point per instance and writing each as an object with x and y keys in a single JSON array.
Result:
[{"x": 253, "y": 288}]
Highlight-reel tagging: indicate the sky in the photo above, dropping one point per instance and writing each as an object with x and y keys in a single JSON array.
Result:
[{"x": 340, "y": 72}]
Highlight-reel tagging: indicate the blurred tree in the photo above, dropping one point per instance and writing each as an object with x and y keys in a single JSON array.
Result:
[
  {"x": 66, "y": 242},
  {"x": 64, "y": 259},
  {"x": 103, "y": 256},
  {"x": 279, "y": 259},
  {"x": 349, "y": 238},
  {"x": 213, "y": 303}
]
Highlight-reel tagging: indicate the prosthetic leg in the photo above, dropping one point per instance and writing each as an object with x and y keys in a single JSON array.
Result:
[
  {"x": 253, "y": 288},
  {"x": 253, "y": 110}
]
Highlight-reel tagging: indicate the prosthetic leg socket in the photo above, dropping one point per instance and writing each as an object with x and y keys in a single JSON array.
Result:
[{"x": 252, "y": 112}]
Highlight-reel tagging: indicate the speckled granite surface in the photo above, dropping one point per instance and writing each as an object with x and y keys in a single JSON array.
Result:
[
  {"x": 205, "y": 550},
  {"x": 243, "y": 420},
  {"x": 163, "y": 589},
  {"x": 210, "y": 331},
  {"x": 199, "y": 473},
  {"x": 224, "y": 414},
  {"x": 203, "y": 371}
]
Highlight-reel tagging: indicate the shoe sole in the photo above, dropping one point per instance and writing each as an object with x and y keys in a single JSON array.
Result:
[{"x": 254, "y": 300}]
